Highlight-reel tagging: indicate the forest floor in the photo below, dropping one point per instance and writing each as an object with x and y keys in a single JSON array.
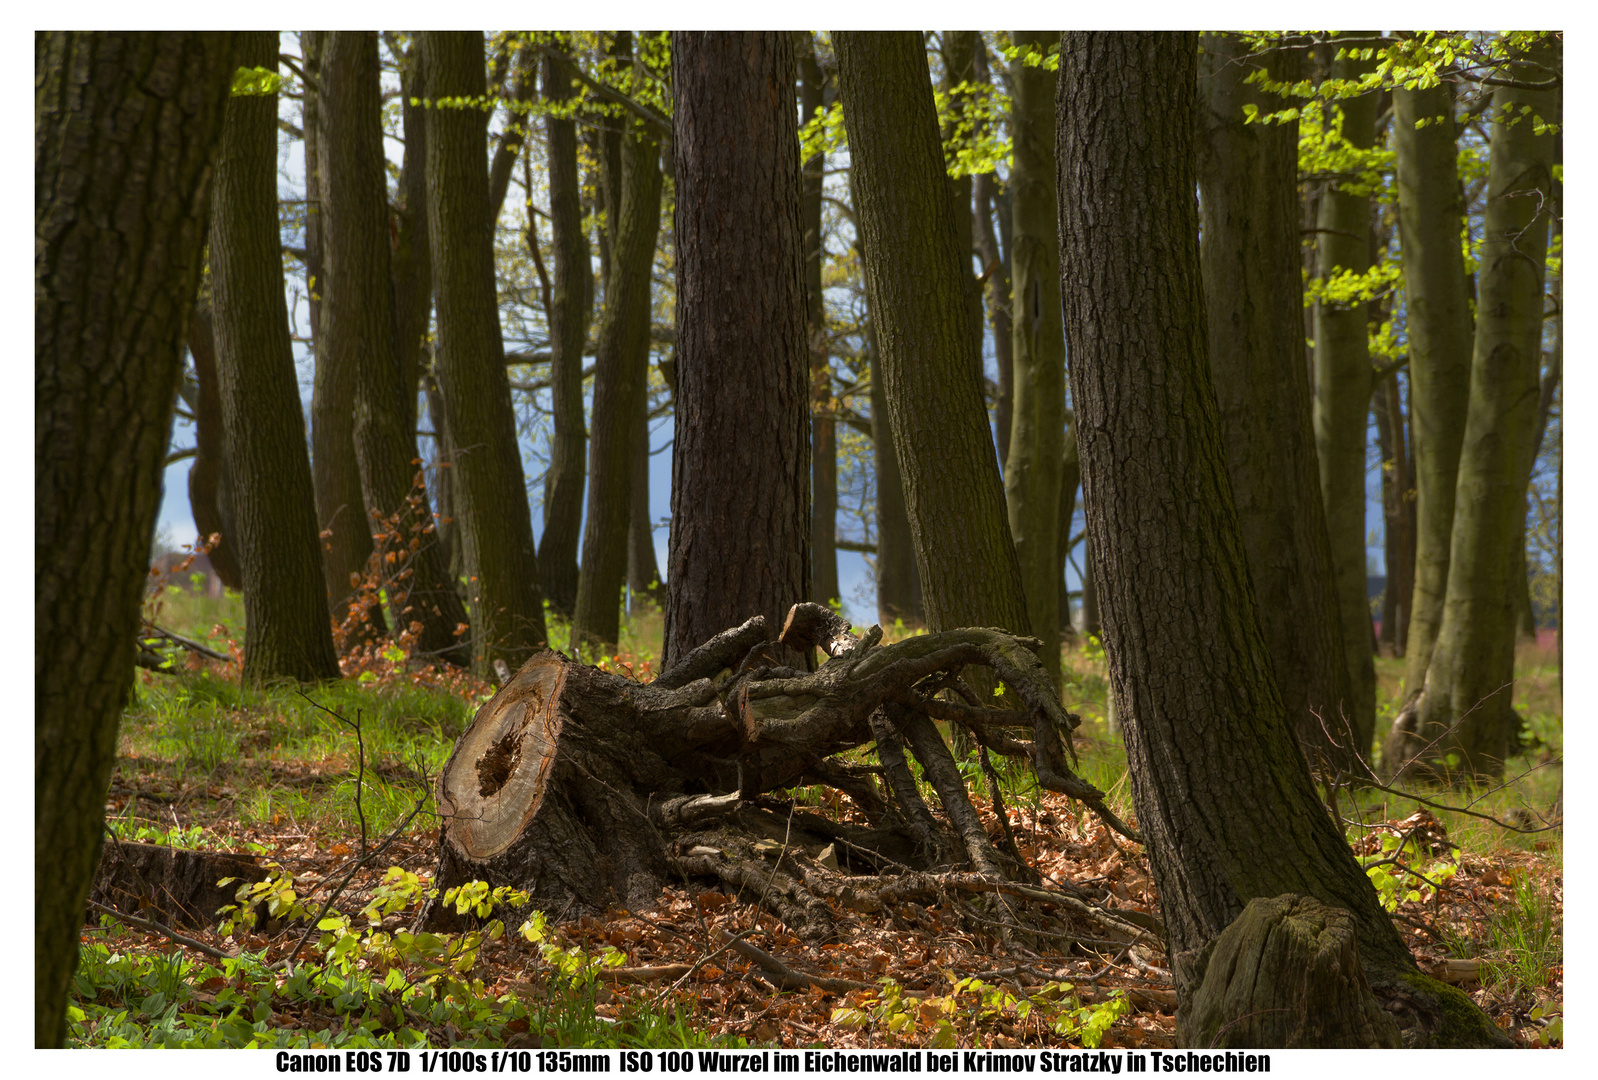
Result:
[{"x": 206, "y": 764}]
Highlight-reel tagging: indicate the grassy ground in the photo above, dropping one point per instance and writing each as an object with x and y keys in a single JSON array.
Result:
[{"x": 315, "y": 781}]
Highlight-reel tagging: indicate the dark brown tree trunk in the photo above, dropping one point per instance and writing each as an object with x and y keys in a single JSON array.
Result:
[
  {"x": 124, "y": 130},
  {"x": 568, "y": 330},
  {"x": 288, "y": 633},
  {"x": 412, "y": 261},
  {"x": 1398, "y": 514},
  {"x": 740, "y": 491},
  {"x": 996, "y": 268},
  {"x": 496, "y": 528},
  {"x": 620, "y": 372},
  {"x": 959, "y": 70},
  {"x": 1248, "y": 180},
  {"x": 1211, "y": 752},
  {"x": 518, "y": 106},
  {"x": 206, "y": 482},
  {"x": 898, "y": 583},
  {"x": 917, "y": 284},
  {"x": 1037, "y": 427},
  {"x": 1070, "y": 480},
  {"x": 643, "y": 569},
  {"x": 358, "y": 335},
  {"x": 823, "y": 425},
  {"x": 335, "y": 473}
]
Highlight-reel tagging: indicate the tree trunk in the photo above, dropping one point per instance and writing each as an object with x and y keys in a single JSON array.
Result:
[
  {"x": 518, "y": 109},
  {"x": 358, "y": 336},
  {"x": 916, "y": 283},
  {"x": 1070, "y": 480},
  {"x": 996, "y": 268},
  {"x": 412, "y": 260},
  {"x": 590, "y": 790},
  {"x": 206, "y": 481},
  {"x": 1398, "y": 508},
  {"x": 1463, "y": 717},
  {"x": 1209, "y": 746},
  {"x": 288, "y": 633},
  {"x": 898, "y": 583},
  {"x": 1438, "y": 321},
  {"x": 1092, "y": 621},
  {"x": 823, "y": 425},
  {"x": 1037, "y": 431},
  {"x": 490, "y": 492},
  {"x": 1248, "y": 179},
  {"x": 959, "y": 48},
  {"x": 124, "y": 130},
  {"x": 1342, "y": 406},
  {"x": 346, "y": 532},
  {"x": 643, "y": 569},
  {"x": 740, "y": 491},
  {"x": 568, "y": 330},
  {"x": 620, "y": 371}
]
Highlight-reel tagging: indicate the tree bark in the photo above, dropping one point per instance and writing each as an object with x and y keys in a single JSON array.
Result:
[
  {"x": 1037, "y": 432},
  {"x": 620, "y": 372},
  {"x": 288, "y": 633},
  {"x": 412, "y": 264},
  {"x": 1248, "y": 180},
  {"x": 1209, "y": 747},
  {"x": 740, "y": 491},
  {"x": 568, "y": 330},
  {"x": 1464, "y": 716},
  {"x": 823, "y": 425},
  {"x": 1438, "y": 320},
  {"x": 490, "y": 492},
  {"x": 213, "y": 515},
  {"x": 1398, "y": 511},
  {"x": 996, "y": 268},
  {"x": 959, "y": 48},
  {"x": 125, "y": 126},
  {"x": 358, "y": 335},
  {"x": 1342, "y": 406},
  {"x": 916, "y": 283},
  {"x": 346, "y": 533},
  {"x": 643, "y": 568},
  {"x": 898, "y": 583}
]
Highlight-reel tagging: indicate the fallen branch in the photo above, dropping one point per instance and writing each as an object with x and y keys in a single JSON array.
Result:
[{"x": 170, "y": 935}]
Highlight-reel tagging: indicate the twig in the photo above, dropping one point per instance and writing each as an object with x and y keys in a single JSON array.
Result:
[{"x": 171, "y": 935}]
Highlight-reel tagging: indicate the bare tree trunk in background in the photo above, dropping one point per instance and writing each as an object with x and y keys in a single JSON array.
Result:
[
  {"x": 287, "y": 629},
  {"x": 1037, "y": 431},
  {"x": 1248, "y": 180},
  {"x": 823, "y": 425},
  {"x": 620, "y": 373},
  {"x": 643, "y": 568},
  {"x": 213, "y": 514},
  {"x": 740, "y": 491},
  {"x": 993, "y": 248},
  {"x": 1342, "y": 406},
  {"x": 1464, "y": 718},
  {"x": 1431, "y": 217},
  {"x": 959, "y": 68},
  {"x": 490, "y": 491},
  {"x": 335, "y": 473},
  {"x": 358, "y": 335},
  {"x": 898, "y": 583},
  {"x": 572, "y": 305},
  {"x": 125, "y": 126},
  {"x": 916, "y": 283}
]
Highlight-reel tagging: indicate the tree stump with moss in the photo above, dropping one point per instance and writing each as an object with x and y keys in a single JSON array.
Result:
[{"x": 1285, "y": 973}]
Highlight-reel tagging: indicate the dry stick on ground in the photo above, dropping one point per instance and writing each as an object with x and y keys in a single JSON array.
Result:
[{"x": 171, "y": 935}]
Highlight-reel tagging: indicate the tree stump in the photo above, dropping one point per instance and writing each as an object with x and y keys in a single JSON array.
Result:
[
  {"x": 590, "y": 790},
  {"x": 173, "y": 886},
  {"x": 1285, "y": 973}
]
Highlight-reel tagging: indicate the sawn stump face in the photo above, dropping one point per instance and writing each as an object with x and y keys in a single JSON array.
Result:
[{"x": 509, "y": 754}]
